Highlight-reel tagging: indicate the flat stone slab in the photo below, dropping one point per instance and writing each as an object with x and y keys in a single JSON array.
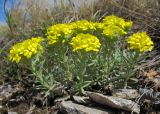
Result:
[
  {"x": 68, "y": 107},
  {"x": 114, "y": 102},
  {"x": 125, "y": 93},
  {"x": 82, "y": 100}
]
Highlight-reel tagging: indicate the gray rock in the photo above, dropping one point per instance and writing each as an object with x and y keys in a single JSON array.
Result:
[
  {"x": 12, "y": 113},
  {"x": 149, "y": 94},
  {"x": 68, "y": 107},
  {"x": 125, "y": 93},
  {"x": 81, "y": 100},
  {"x": 7, "y": 91},
  {"x": 114, "y": 102},
  {"x": 61, "y": 99}
]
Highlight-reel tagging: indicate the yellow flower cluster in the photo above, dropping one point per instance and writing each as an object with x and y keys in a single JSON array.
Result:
[
  {"x": 112, "y": 26},
  {"x": 86, "y": 42},
  {"x": 83, "y": 25},
  {"x": 26, "y": 48},
  {"x": 120, "y": 22},
  {"x": 58, "y": 30},
  {"x": 112, "y": 31},
  {"x": 115, "y": 26},
  {"x": 99, "y": 25},
  {"x": 141, "y": 42}
]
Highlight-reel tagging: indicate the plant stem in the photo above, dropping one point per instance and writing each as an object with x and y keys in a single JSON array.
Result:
[
  {"x": 67, "y": 67},
  {"x": 82, "y": 67}
]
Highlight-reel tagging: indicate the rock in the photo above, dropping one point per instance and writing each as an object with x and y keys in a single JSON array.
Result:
[
  {"x": 12, "y": 113},
  {"x": 149, "y": 94},
  {"x": 7, "y": 91},
  {"x": 81, "y": 100},
  {"x": 114, "y": 102},
  {"x": 125, "y": 93},
  {"x": 68, "y": 107},
  {"x": 61, "y": 99}
]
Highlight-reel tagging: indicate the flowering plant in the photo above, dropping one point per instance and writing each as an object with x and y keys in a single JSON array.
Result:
[
  {"x": 26, "y": 49},
  {"x": 82, "y": 54}
]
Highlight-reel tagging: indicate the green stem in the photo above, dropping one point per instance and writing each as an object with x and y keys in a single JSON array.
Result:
[
  {"x": 82, "y": 67},
  {"x": 108, "y": 56},
  {"x": 38, "y": 74},
  {"x": 67, "y": 67},
  {"x": 131, "y": 63}
]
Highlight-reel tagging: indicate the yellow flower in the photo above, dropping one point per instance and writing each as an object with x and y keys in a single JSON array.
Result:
[
  {"x": 140, "y": 41},
  {"x": 86, "y": 42},
  {"x": 83, "y": 25},
  {"x": 58, "y": 30},
  {"x": 26, "y": 48},
  {"x": 64, "y": 30},
  {"x": 99, "y": 25},
  {"x": 112, "y": 31},
  {"x": 14, "y": 56},
  {"x": 112, "y": 26},
  {"x": 120, "y": 22}
]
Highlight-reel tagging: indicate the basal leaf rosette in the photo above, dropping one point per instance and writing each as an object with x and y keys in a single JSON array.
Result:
[
  {"x": 86, "y": 42},
  {"x": 25, "y": 49},
  {"x": 117, "y": 21},
  {"x": 140, "y": 42}
]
